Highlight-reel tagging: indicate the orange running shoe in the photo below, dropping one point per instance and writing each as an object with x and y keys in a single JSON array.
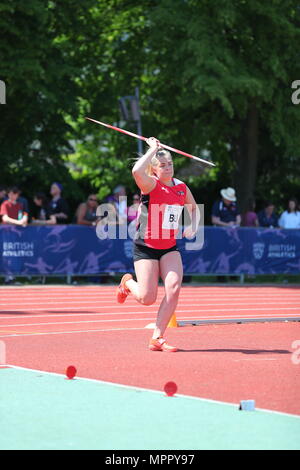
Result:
[
  {"x": 160, "y": 344},
  {"x": 122, "y": 291}
]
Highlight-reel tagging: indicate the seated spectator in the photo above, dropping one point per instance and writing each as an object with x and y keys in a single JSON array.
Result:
[
  {"x": 290, "y": 218},
  {"x": 41, "y": 213},
  {"x": 267, "y": 217},
  {"x": 120, "y": 204},
  {"x": 86, "y": 211},
  {"x": 2, "y": 194},
  {"x": 225, "y": 212},
  {"x": 132, "y": 211},
  {"x": 58, "y": 206},
  {"x": 12, "y": 212},
  {"x": 249, "y": 217}
]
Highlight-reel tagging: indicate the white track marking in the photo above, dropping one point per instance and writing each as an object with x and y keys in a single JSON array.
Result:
[
  {"x": 48, "y": 333},
  {"x": 97, "y": 302},
  {"x": 132, "y": 387},
  {"x": 199, "y": 310},
  {"x": 84, "y": 314},
  {"x": 74, "y": 322},
  {"x": 13, "y": 333},
  {"x": 183, "y": 294},
  {"x": 212, "y": 317}
]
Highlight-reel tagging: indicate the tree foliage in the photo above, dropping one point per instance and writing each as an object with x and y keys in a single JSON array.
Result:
[{"x": 40, "y": 69}]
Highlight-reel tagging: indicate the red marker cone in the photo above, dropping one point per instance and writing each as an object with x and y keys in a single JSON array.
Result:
[
  {"x": 170, "y": 388},
  {"x": 71, "y": 372}
]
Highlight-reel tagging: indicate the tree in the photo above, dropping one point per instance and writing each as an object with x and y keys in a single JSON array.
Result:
[
  {"x": 116, "y": 61},
  {"x": 214, "y": 77},
  {"x": 230, "y": 76},
  {"x": 40, "y": 70}
]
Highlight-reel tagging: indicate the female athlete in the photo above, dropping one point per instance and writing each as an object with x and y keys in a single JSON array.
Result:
[{"x": 155, "y": 252}]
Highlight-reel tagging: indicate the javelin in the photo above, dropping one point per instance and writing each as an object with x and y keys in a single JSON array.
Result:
[{"x": 144, "y": 138}]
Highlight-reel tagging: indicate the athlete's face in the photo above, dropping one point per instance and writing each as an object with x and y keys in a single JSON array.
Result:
[{"x": 164, "y": 169}]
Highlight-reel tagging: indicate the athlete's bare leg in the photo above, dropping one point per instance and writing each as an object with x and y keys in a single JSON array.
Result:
[
  {"x": 171, "y": 272},
  {"x": 144, "y": 289}
]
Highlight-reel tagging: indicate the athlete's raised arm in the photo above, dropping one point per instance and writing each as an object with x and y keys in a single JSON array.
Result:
[{"x": 145, "y": 182}]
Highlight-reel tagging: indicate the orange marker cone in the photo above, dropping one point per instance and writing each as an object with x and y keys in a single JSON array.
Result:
[{"x": 173, "y": 321}]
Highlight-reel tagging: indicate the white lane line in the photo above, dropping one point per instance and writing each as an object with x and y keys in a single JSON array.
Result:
[
  {"x": 200, "y": 309},
  {"x": 132, "y": 312},
  {"x": 67, "y": 315},
  {"x": 109, "y": 320},
  {"x": 136, "y": 388},
  {"x": 204, "y": 286},
  {"x": 183, "y": 293},
  {"x": 97, "y": 302},
  {"x": 46, "y": 333},
  {"x": 74, "y": 322},
  {"x": 184, "y": 290}
]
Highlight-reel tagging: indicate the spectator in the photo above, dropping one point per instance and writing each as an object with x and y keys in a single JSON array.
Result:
[
  {"x": 24, "y": 202},
  {"x": 290, "y": 218},
  {"x": 86, "y": 211},
  {"x": 119, "y": 204},
  {"x": 132, "y": 211},
  {"x": 225, "y": 212},
  {"x": 13, "y": 212},
  {"x": 58, "y": 206},
  {"x": 41, "y": 213},
  {"x": 267, "y": 217},
  {"x": 249, "y": 217},
  {"x": 21, "y": 199},
  {"x": 2, "y": 194}
]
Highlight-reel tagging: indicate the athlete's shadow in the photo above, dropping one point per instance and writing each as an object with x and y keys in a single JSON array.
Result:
[{"x": 243, "y": 351}]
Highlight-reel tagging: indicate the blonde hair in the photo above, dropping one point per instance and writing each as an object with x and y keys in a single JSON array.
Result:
[{"x": 155, "y": 160}]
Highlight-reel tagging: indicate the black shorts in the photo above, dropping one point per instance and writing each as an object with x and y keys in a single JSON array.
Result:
[{"x": 145, "y": 252}]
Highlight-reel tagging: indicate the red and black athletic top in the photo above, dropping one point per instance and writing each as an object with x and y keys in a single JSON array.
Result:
[{"x": 159, "y": 214}]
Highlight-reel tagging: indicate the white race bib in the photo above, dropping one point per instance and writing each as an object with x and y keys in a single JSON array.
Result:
[{"x": 171, "y": 217}]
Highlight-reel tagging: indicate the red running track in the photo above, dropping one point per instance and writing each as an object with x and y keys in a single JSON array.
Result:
[{"x": 49, "y": 328}]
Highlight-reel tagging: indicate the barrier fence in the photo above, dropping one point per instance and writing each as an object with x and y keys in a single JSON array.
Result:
[{"x": 76, "y": 250}]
